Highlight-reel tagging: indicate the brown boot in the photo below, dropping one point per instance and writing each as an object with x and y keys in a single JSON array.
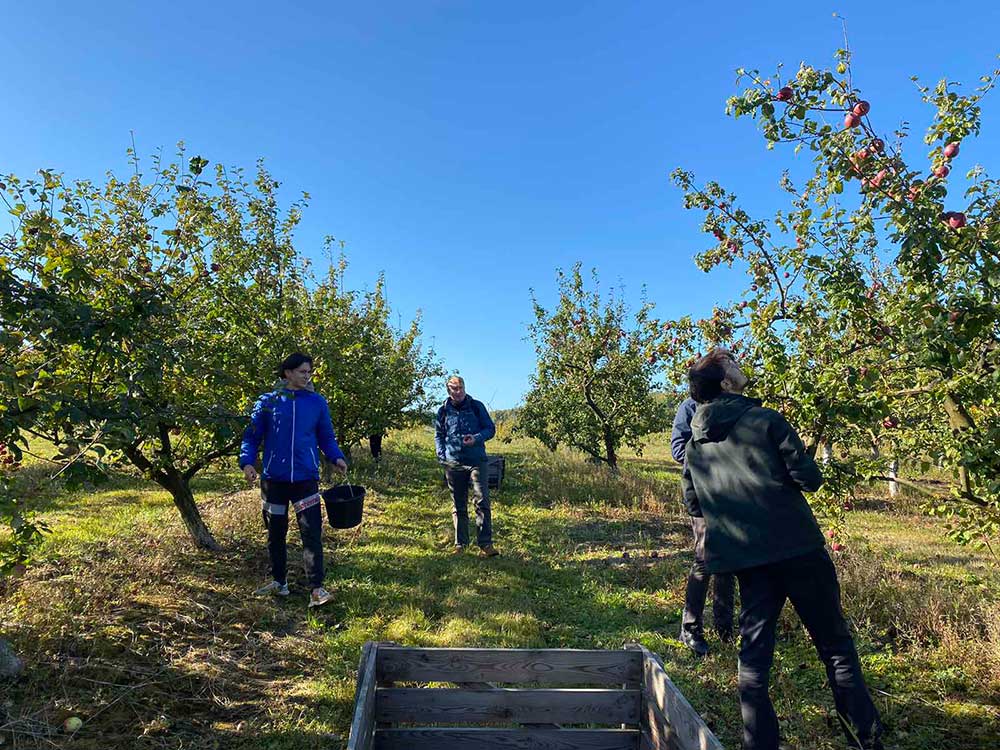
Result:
[{"x": 488, "y": 551}]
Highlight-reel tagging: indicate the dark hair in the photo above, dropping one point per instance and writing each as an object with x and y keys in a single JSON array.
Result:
[
  {"x": 293, "y": 362},
  {"x": 705, "y": 381}
]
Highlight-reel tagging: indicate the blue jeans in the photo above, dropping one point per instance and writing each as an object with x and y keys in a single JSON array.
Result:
[
  {"x": 459, "y": 479},
  {"x": 810, "y": 582}
]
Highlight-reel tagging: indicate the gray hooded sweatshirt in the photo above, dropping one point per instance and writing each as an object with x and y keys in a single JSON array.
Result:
[{"x": 745, "y": 471}]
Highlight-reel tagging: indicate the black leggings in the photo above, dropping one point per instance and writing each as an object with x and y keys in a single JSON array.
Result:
[{"x": 305, "y": 500}]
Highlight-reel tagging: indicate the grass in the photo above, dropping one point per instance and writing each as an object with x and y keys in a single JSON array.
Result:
[{"x": 157, "y": 645}]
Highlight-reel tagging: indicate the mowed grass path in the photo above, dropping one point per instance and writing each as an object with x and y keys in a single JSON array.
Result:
[{"x": 157, "y": 645}]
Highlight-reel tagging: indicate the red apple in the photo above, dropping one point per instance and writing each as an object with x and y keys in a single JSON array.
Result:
[
  {"x": 836, "y": 546},
  {"x": 753, "y": 287},
  {"x": 956, "y": 220},
  {"x": 652, "y": 359},
  {"x": 787, "y": 274},
  {"x": 785, "y": 94},
  {"x": 951, "y": 150},
  {"x": 831, "y": 533},
  {"x": 851, "y": 120},
  {"x": 953, "y": 316},
  {"x": 862, "y": 108},
  {"x": 941, "y": 171},
  {"x": 863, "y": 372},
  {"x": 878, "y": 146},
  {"x": 216, "y": 268}
]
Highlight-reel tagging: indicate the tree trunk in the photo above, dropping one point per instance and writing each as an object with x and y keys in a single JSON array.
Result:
[
  {"x": 180, "y": 491},
  {"x": 609, "y": 449},
  {"x": 959, "y": 420},
  {"x": 893, "y": 473}
]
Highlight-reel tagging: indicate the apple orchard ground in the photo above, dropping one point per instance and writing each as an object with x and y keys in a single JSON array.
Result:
[{"x": 156, "y": 645}]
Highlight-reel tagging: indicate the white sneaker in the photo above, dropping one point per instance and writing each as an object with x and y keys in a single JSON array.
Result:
[
  {"x": 278, "y": 589},
  {"x": 319, "y": 597}
]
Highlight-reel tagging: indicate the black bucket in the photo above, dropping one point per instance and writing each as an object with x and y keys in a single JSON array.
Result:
[{"x": 344, "y": 505}]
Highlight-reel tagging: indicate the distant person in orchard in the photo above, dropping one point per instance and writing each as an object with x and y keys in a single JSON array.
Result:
[
  {"x": 463, "y": 427},
  {"x": 723, "y": 594},
  {"x": 745, "y": 470},
  {"x": 293, "y": 422}
]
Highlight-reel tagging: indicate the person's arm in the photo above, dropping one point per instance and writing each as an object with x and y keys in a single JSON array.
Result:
[
  {"x": 681, "y": 432},
  {"x": 690, "y": 496},
  {"x": 801, "y": 466},
  {"x": 486, "y": 427},
  {"x": 325, "y": 436},
  {"x": 440, "y": 434},
  {"x": 254, "y": 433}
]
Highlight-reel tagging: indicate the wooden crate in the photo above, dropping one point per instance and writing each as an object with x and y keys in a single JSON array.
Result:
[{"x": 595, "y": 700}]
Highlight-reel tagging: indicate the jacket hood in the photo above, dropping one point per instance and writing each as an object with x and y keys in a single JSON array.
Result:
[{"x": 713, "y": 421}]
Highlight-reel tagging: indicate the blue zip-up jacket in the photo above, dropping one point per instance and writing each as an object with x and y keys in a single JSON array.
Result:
[
  {"x": 294, "y": 426},
  {"x": 681, "y": 433},
  {"x": 468, "y": 418}
]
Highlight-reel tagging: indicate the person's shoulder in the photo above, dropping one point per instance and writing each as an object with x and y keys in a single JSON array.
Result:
[
  {"x": 479, "y": 405},
  {"x": 767, "y": 413}
]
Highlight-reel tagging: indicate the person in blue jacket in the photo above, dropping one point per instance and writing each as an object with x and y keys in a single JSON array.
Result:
[
  {"x": 294, "y": 424},
  {"x": 724, "y": 591},
  {"x": 462, "y": 428}
]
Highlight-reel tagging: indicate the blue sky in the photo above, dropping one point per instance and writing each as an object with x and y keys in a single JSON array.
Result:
[{"x": 468, "y": 149}]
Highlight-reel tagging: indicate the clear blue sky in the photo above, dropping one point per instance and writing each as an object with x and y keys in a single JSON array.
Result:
[{"x": 468, "y": 149}]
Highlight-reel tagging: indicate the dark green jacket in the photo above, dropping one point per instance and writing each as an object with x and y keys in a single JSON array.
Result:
[{"x": 744, "y": 472}]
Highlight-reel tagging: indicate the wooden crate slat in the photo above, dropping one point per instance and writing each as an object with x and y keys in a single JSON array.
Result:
[
  {"x": 544, "y": 666},
  {"x": 556, "y": 706},
  {"x": 363, "y": 725},
  {"x": 507, "y": 739},
  {"x": 685, "y": 729}
]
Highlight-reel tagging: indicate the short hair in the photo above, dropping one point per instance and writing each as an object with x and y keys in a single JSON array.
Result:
[
  {"x": 706, "y": 375},
  {"x": 293, "y": 362},
  {"x": 455, "y": 379}
]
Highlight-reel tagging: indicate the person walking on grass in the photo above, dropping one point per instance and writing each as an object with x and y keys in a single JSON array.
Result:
[
  {"x": 293, "y": 422},
  {"x": 462, "y": 428},
  {"x": 723, "y": 591},
  {"x": 745, "y": 471}
]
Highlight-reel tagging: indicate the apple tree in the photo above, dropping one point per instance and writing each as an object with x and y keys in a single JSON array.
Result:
[
  {"x": 872, "y": 307},
  {"x": 597, "y": 366},
  {"x": 144, "y": 312},
  {"x": 373, "y": 374}
]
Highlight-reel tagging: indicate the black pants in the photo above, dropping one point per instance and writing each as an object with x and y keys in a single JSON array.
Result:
[
  {"x": 697, "y": 591},
  {"x": 459, "y": 479},
  {"x": 810, "y": 582},
  {"x": 375, "y": 446},
  {"x": 277, "y": 496}
]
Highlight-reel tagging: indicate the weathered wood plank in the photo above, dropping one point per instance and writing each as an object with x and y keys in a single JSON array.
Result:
[
  {"x": 544, "y": 666},
  {"x": 506, "y": 739},
  {"x": 543, "y": 706},
  {"x": 684, "y": 728},
  {"x": 363, "y": 725},
  {"x": 491, "y": 686}
]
